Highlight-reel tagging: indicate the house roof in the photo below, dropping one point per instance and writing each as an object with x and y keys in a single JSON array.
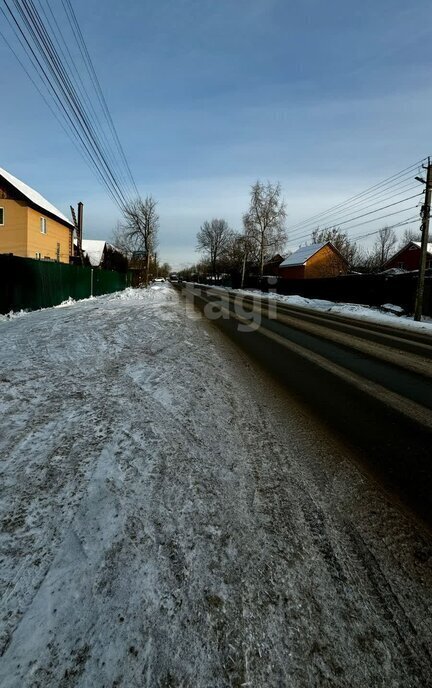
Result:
[
  {"x": 273, "y": 259},
  {"x": 404, "y": 248},
  {"x": 418, "y": 244},
  {"x": 302, "y": 255},
  {"x": 94, "y": 249},
  {"x": 34, "y": 197}
]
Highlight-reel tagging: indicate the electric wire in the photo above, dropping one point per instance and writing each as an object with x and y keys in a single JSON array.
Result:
[
  {"x": 342, "y": 219},
  {"x": 59, "y": 101},
  {"x": 68, "y": 58},
  {"x": 402, "y": 223},
  {"x": 380, "y": 186},
  {"x": 371, "y": 212},
  {"x": 48, "y": 52},
  {"x": 53, "y": 56},
  {"x": 99, "y": 91},
  {"x": 34, "y": 59},
  {"x": 68, "y": 95},
  {"x": 363, "y": 204}
]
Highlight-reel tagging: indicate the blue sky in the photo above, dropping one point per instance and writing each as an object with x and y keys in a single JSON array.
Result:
[{"x": 208, "y": 96}]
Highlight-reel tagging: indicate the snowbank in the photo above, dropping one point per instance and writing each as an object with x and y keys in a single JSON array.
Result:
[
  {"x": 387, "y": 314},
  {"x": 126, "y": 294}
]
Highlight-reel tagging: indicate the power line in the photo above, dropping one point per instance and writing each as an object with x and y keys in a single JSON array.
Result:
[
  {"x": 385, "y": 184},
  {"x": 394, "y": 226},
  {"x": 92, "y": 72},
  {"x": 368, "y": 201},
  {"x": 341, "y": 219},
  {"x": 61, "y": 102},
  {"x": 49, "y": 53},
  {"x": 372, "y": 212},
  {"x": 68, "y": 58},
  {"x": 60, "y": 115},
  {"x": 69, "y": 96}
]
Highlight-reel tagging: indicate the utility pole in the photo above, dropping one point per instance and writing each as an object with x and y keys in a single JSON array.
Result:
[
  {"x": 243, "y": 270},
  {"x": 78, "y": 229},
  {"x": 245, "y": 245},
  {"x": 425, "y": 214},
  {"x": 80, "y": 226}
]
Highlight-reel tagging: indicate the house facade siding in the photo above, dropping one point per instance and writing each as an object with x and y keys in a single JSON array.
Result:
[
  {"x": 13, "y": 232},
  {"x": 20, "y": 233},
  {"x": 324, "y": 263},
  {"x": 407, "y": 259},
  {"x": 55, "y": 244}
]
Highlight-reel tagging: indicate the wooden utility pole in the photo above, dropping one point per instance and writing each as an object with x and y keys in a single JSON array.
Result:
[{"x": 425, "y": 213}]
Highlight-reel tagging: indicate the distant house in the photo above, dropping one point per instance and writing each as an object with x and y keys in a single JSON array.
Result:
[
  {"x": 101, "y": 254},
  {"x": 316, "y": 260},
  {"x": 271, "y": 266},
  {"x": 408, "y": 258},
  {"x": 30, "y": 226}
]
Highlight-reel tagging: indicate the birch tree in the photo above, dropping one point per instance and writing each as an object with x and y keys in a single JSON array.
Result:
[{"x": 264, "y": 222}]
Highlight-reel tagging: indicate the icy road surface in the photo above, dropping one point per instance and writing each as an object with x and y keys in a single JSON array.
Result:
[{"x": 170, "y": 518}]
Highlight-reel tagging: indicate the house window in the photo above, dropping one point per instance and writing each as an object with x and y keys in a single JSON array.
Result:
[
  {"x": 43, "y": 225},
  {"x": 38, "y": 255},
  {"x": 1, "y": 217}
]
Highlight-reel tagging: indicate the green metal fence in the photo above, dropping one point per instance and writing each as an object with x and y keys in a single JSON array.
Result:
[{"x": 30, "y": 284}]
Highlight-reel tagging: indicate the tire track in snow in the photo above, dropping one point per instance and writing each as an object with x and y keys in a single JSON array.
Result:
[{"x": 198, "y": 528}]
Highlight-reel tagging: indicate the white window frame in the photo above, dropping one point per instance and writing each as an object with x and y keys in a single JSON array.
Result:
[
  {"x": 3, "y": 216},
  {"x": 38, "y": 255},
  {"x": 43, "y": 225}
]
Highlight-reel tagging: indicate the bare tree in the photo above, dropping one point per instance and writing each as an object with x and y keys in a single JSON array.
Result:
[
  {"x": 340, "y": 241},
  {"x": 384, "y": 245},
  {"x": 213, "y": 240},
  {"x": 139, "y": 230},
  {"x": 264, "y": 222},
  {"x": 120, "y": 241},
  {"x": 373, "y": 260},
  {"x": 409, "y": 234}
]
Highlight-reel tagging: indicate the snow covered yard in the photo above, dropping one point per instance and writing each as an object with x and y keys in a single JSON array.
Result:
[{"x": 169, "y": 517}]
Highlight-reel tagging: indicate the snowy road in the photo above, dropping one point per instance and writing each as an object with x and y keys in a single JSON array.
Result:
[{"x": 171, "y": 518}]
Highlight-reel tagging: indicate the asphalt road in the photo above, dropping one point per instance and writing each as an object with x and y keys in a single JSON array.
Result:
[{"x": 370, "y": 382}]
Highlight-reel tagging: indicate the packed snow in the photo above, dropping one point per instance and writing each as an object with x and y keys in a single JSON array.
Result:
[{"x": 170, "y": 517}]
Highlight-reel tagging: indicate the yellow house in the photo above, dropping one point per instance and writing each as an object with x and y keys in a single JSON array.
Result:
[{"x": 30, "y": 226}]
